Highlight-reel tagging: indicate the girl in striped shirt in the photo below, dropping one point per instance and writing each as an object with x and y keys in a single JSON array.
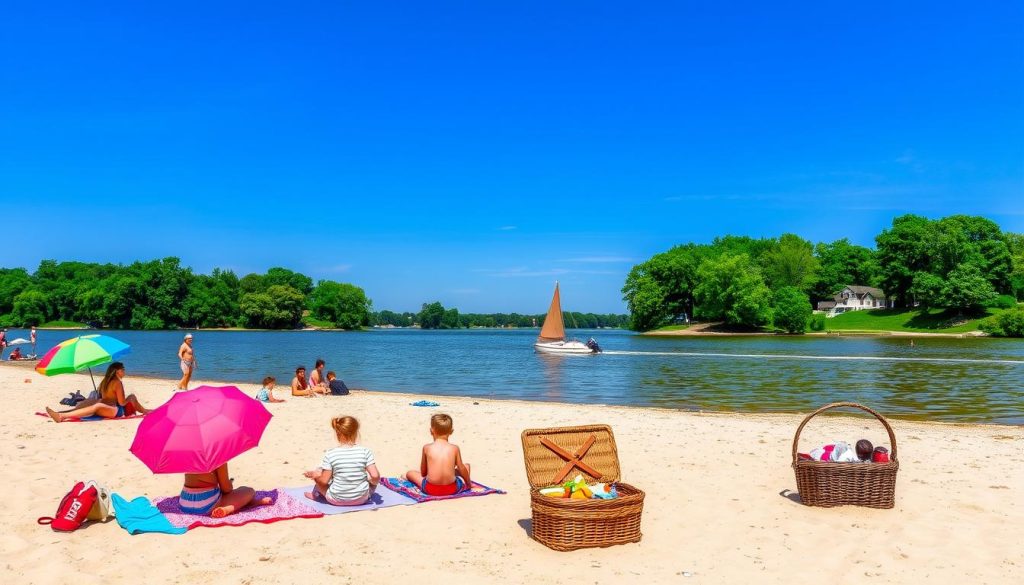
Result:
[{"x": 348, "y": 473}]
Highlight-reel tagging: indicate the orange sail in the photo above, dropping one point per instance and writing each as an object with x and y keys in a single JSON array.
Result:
[{"x": 553, "y": 329}]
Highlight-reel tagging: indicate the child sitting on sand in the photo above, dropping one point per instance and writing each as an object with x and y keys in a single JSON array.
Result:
[
  {"x": 336, "y": 386},
  {"x": 213, "y": 493},
  {"x": 266, "y": 393},
  {"x": 442, "y": 471},
  {"x": 348, "y": 474}
]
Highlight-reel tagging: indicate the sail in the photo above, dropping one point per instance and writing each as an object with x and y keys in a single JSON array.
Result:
[{"x": 553, "y": 329}]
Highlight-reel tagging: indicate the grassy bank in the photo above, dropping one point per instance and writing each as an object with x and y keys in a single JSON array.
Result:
[
  {"x": 63, "y": 325},
  {"x": 913, "y": 320}
]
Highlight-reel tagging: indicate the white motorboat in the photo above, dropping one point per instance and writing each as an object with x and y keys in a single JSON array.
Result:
[{"x": 552, "y": 334}]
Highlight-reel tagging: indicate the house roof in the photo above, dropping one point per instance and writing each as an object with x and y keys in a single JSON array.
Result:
[
  {"x": 823, "y": 305},
  {"x": 860, "y": 291}
]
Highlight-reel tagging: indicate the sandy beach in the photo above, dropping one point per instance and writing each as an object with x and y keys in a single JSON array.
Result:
[{"x": 717, "y": 507}]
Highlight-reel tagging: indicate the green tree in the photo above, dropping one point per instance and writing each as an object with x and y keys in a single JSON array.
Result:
[
  {"x": 431, "y": 315},
  {"x": 731, "y": 289},
  {"x": 967, "y": 289},
  {"x": 13, "y": 281},
  {"x": 842, "y": 264},
  {"x": 31, "y": 308},
  {"x": 791, "y": 263},
  {"x": 344, "y": 305},
  {"x": 792, "y": 309},
  {"x": 450, "y": 320},
  {"x": 645, "y": 300},
  {"x": 280, "y": 307},
  {"x": 928, "y": 290},
  {"x": 211, "y": 301},
  {"x": 904, "y": 250}
]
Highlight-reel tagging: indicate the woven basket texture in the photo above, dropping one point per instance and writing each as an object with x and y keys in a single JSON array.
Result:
[
  {"x": 828, "y": 484},
  {"x": 565, "y": 524}
]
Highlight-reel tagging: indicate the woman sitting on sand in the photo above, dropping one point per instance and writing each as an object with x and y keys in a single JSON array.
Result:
[
  {"x": 301, "y": 387},
  {"x": 213, "y": 493},
  {"x": 112, "y": 403}
]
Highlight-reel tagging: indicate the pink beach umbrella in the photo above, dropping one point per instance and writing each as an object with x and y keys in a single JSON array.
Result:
[{"x": 200, "y": 430}]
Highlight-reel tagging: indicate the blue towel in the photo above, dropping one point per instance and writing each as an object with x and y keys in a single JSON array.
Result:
[
  {"x": 140, "y": 515},
  {"x": 424, "y": 403}
]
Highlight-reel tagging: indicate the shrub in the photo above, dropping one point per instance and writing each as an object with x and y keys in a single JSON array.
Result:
[
  {"x": 1012, "y": 322},
  {"x": 991, "y": 326},
  {"x": 817, "y": 322},
  {"x": 792, "y": 309}
]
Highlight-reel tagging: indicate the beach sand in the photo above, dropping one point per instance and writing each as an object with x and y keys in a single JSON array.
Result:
[{"x": 717, "y": 509}]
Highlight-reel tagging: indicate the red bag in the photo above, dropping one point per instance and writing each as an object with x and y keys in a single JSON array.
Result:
[{"x": 73, "y": 509}]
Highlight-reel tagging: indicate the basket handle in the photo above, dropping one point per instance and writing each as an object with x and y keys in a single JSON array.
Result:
[{"x": 885, "y": 423}]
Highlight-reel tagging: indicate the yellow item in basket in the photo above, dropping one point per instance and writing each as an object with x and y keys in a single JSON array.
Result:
[
  {"x": 554, "y": 492},
  {"x": 586, "y": 491},
  {"x": 578, "y": 495}
]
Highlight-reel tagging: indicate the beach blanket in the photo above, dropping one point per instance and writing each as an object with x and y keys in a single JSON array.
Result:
[
  {"x": 139, "y": 515},
  {"x": 92, "y": 418},
  {"x": 380, "y": 499},
  {"x": 410, "y": 490},
  {"x": 424, "y": 403},
  {"x": 284, "y": 507}
]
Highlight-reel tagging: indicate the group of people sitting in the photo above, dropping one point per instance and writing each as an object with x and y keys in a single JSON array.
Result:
[
  {"x": 347, "y": 474},
  {"x": 316, "y": 383},
  {"x": 16, "y": 354},
  {"x": 840, "y": 452}
]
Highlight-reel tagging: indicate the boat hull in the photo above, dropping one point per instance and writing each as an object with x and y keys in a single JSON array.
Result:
[{"x": 568, "y": 347}]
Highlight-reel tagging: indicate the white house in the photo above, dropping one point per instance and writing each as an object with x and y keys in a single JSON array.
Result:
[{"x": 855, "y": 298}]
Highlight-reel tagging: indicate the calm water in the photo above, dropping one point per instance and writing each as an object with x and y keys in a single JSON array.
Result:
[{"x": 939, "y": 379}]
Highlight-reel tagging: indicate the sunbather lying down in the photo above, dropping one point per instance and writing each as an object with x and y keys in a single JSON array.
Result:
[{"x": 112, "y": 402}]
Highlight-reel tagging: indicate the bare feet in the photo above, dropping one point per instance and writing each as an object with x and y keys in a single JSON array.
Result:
[
  {"x": 229, "y": 509},
  {"x": 311, "y": 495},
  {"x": 222, "y": 511},
  {"x": 56, "y": 416}
]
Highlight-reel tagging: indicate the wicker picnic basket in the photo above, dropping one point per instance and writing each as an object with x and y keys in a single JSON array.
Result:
[
  {"x": 828, "y": 484},
  {"x": 565, "y": 524}
]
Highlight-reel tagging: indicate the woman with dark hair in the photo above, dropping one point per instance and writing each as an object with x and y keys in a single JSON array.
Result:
[{"x": 112, "y": 403}]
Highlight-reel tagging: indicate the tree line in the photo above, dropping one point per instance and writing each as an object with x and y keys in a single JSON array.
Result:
[
  {"x": 162, "y": 294},
  {"x": 435, "y": 316},
  {"x": 962, "y": 263}
]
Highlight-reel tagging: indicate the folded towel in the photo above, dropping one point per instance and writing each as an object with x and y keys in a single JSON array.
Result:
[
  {"x": 424, "y": 403},
  {"x": 138, "y": 516}
]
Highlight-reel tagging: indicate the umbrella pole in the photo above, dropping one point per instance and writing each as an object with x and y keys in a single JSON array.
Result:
[{"x": 93, "y": 379}]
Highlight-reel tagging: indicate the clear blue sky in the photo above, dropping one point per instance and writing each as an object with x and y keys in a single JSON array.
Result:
[{"x": 475, "y": 152}]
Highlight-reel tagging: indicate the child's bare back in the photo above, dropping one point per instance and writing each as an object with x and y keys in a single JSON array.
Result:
[{"x": 442, "y": 471}]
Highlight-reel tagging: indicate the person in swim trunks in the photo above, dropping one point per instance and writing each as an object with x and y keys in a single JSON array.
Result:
[
  {"x": 113, "y": 402},
  {"x": 442, "y": 471},
  {"x": 213, "y": 493},
  {"x": 188, "y": 361}
]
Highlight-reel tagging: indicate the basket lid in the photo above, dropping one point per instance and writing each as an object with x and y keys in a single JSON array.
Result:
[{"x": 587, "y": 450}]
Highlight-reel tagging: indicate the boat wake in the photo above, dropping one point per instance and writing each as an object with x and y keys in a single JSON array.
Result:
[{"x": 934, "y": 360}]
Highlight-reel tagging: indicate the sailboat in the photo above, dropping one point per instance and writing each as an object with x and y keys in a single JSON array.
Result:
[{"x": 552, "y": 334}]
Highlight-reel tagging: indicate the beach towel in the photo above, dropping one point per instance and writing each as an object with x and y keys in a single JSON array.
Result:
[
  {"x": 92, "y": 418},
  {"x": 380, "y": 499},
  {"x": 139, "y": 515},
  {"x": 424, "y": 403},
  {"x": 284, "y": 507},
  {"x": 410, "y": 490}
]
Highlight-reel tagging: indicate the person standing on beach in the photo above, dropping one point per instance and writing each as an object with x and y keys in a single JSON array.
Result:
[
  {"x": 32, "y": 339},
  {"x": 188, "y": 361},
  {"x": 3, "y": 341}
]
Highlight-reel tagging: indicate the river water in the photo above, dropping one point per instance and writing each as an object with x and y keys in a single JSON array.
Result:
[{"x": 972, "y": 379}]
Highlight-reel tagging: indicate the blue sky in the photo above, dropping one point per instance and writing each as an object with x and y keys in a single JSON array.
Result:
[{"x": 475, "y": 152}]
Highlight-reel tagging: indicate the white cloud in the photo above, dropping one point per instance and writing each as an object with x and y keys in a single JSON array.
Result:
[{"x": 506, "y": 228}]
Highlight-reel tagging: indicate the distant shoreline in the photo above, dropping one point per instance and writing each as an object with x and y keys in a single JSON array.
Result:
[{"x": 706, "y": 330}]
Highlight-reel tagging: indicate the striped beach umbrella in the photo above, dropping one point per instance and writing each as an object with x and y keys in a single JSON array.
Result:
[{"x": 79, "y": 353}]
